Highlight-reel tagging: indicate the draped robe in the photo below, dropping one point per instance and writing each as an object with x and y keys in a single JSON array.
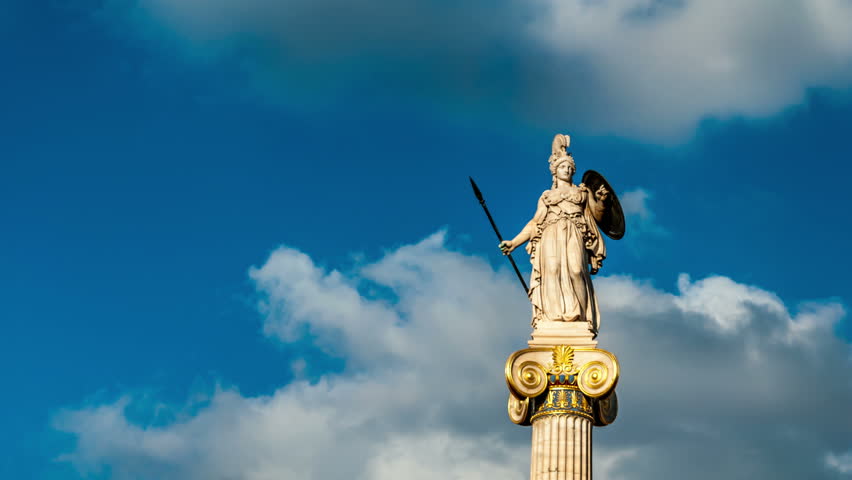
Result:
[{"x": 565, "y": 243}]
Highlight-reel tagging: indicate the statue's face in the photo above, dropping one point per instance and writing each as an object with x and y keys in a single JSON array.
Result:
[{"x": 564, "y": 171}]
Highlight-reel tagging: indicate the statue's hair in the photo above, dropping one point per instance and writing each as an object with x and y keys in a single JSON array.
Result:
[{"x": 556, "y": 160}]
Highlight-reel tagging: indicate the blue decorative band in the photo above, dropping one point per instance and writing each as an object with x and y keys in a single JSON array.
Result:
[{"x": 563, "y": 400}]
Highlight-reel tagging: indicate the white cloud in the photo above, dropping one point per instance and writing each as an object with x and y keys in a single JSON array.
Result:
[
  {"x": 649, "y": 69},
  {"x": 326, "y": 302},
  {"x": 718, "y": 379},
  {"x": 730, "y": 305},
  {"x": 640, "y": 219},
  {"x": 430, "y": 456},
  {"x": 613, "y": 461},
  {"x": 635, "y": 203},
  {"x": 662, "y": 65},
  {"x": 840, "y": 463}
]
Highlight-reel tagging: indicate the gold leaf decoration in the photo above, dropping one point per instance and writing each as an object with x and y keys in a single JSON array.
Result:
[
  {"x": 563, "y": 361},
  {"x": 518, "y": 409}
]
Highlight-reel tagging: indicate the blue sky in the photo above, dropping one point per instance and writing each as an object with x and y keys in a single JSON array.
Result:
[{"x": 168, "y": 168}]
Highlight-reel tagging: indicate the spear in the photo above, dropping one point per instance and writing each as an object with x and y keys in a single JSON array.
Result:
[{"x": 497, "y": 231}]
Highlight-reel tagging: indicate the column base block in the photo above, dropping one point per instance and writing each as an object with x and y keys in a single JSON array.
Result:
[{"x": 550, "y": 334}]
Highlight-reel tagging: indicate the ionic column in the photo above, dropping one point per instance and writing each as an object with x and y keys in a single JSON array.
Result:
[{"x": 562, "y": 402}]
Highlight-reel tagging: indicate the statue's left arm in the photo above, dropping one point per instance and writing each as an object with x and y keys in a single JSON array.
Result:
[{"x": 598, "y": 202}]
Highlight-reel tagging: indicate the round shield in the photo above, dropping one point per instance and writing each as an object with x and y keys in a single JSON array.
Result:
[{"x": 612, "y": 223}]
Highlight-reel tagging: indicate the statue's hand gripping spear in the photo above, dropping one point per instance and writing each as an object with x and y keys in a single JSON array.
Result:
[{"x": 497, "y": 231}]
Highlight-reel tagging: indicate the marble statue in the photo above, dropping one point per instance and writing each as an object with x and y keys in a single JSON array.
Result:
[
  {"x": 563, "y": 385},
  {"x": 565, "y": 242}
]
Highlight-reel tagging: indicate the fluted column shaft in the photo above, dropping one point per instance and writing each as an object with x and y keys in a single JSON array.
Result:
[
  {"x": 561, "y": 448},
  {"x": 562, "y": 436}
]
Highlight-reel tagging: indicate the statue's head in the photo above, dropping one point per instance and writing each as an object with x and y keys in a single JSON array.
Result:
[
  {"x": 558, "y": 164},
  {"x": 560, "y": 156}
]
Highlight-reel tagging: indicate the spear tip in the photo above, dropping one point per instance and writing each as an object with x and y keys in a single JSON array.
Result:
[{"x": 475, "y": 189}]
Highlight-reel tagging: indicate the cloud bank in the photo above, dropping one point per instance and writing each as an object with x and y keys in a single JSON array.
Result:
[
  {"x": 719, "y": 378},
  {"x": 647, "y": 69}
]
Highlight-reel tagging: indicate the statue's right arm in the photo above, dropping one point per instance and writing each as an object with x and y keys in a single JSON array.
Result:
[{"x": 525, "y": 234}]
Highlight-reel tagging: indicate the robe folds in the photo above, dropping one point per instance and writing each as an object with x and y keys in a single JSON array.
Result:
[{"x": 565, "y": 248}]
